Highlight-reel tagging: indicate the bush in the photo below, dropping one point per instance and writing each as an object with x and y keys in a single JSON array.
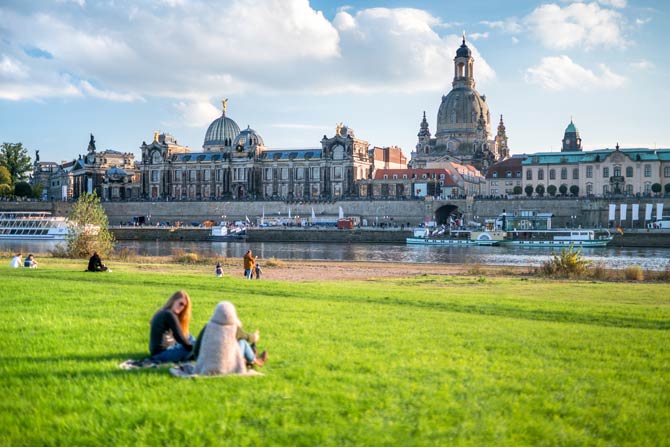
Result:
[
  {"x": 475, "y": 270},
  {"x": 569, "y": 263},
  {"x": 633, "y": 273},
  {"x": 272, "y": 262},
  {"x": 124, "y": 254},
  {"x": 59, "y": 251},
  {"x": 183, "y": 257},
  {"x": 598, "y": 271}
]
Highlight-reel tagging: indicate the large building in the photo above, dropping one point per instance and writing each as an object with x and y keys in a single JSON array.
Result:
[
  {"x": 463, "y": 131},
  {"x": 237, "y": 165}
]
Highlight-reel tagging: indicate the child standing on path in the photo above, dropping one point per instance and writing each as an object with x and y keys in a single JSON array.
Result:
[{"x": 258, "y": 270}]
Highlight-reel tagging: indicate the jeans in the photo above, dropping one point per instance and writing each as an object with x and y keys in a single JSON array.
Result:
[
  {"x": 247, "y": 273},
  {"x": 247, "y": 352},
  {"x": 175, "y": 353}
]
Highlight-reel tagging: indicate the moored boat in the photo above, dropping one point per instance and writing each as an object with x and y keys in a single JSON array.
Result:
[
  {"x": 443, "y": 236},
  {"x": 532, "y": 229},
  {"x": 31, "y": 225}
]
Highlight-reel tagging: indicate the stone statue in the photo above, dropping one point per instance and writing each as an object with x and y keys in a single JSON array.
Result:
[
  {"x": 225, "y": 105},
  {"x": 37, "y": 155},
  {"x": 91, "y": 144},
  {"x": 338, "y": 129}
]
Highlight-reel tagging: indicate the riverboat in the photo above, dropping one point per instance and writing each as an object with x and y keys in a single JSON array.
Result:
[
  {"x": 223, "y": 233},
  {"x": 445, "y": 236},
  {"x": 532, "y": 229},
  {"x": 20, "y": 225}
]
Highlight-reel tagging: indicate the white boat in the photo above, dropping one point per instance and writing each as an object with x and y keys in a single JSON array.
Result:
[
  {"x": 531, "y": 229},
  {"x": 32, "y": 225},
  {"x": 223, "y": 232},
  {"x": 579, "y": 237},
  {"x": 444, "y": 236}
]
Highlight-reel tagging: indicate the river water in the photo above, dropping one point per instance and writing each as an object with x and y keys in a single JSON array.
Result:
[{"x": 610, "y": 257}]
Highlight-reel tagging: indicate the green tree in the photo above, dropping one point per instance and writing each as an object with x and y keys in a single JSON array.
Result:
[
  {"x": 563, "y": 189},
  {"x": 517, "y": 190},
  {"x": 551, "y": 190},
  {"x": 656, "y": 188},
  {"x": 574, "y": 190},
  {"x": 5, "y": 176},
  {"x": 5, "y": 190},
  {"x": 37, "y": 191},
  {"x": 15, "y": 158},
  {"x": 529, "y": 190},
  {"x": 89, "y": 229},
  {"x": 23, "y": 189},
  {"x": 539, "y": 189}
]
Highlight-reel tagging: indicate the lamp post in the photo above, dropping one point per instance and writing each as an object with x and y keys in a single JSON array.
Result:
[{"x": 573, "y": 218}]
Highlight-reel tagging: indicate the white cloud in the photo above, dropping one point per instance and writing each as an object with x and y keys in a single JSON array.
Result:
[
  {"x": 515, "y": 40},
  {"x": 197, "y": 113},
  {"x": 90, "y": 90},
  {"x": 561, "y": 73},
  {"x": 477, "y": 36},
  {"x": 577, "y": 25},
  {"x": 510, "y": 25},
  {"x": 643, "y": 64},
  {"x": 613, "y": 3},
  {"x": 192, "y": 54},
  {"x": 12, "y": 69},
  {"x": 640, "y": 22}
]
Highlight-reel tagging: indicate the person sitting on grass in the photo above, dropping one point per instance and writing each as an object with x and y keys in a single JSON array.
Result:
[
  {"x": 170, "y": 340},
  {"x": 30, "y": 262},
  {"x": 223, "y": 347},
  {"x": 16, "y": 261},
  {"x": 95, "y": 263},
  {"x": 218, "y": 270}
]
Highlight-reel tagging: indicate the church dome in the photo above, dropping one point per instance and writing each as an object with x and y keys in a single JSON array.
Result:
[
  {"x": 221, "y": 133},
  {"x": 460, "y": 111},
  {"x": 248, "y": 138},
  {"x": 571, "y": 128}
]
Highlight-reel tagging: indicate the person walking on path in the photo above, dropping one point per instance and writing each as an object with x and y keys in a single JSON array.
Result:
[
  {"x": 170, "y": 340},
  {"x": 249, "y": 264}
]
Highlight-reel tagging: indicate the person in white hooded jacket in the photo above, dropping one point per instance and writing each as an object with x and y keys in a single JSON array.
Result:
[{"x": 223, "y": 347}]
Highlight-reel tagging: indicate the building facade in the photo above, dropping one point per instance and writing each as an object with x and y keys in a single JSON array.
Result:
[{"x": 463, "y": 132}]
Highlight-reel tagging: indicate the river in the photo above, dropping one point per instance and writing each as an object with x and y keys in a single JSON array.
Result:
[{"x": 610, "y": 257}]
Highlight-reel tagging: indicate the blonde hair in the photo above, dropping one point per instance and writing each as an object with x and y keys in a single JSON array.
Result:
[{"x": 185, "y": 316}]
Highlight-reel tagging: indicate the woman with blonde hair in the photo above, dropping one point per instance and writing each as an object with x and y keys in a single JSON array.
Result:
[{"x": 170, "y": 340}]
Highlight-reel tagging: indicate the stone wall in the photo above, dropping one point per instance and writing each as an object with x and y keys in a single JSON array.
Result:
[{"x": 586, "y": 212}]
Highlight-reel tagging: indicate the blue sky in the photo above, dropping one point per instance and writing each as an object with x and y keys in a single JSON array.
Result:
[{"x": 293, "y": 69}]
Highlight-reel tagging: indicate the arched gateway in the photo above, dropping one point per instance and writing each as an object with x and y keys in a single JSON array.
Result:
[{"x": 443, "y": 213}]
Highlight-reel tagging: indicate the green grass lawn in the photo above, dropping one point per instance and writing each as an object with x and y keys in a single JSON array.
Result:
[{"x": 433, "y": 360}]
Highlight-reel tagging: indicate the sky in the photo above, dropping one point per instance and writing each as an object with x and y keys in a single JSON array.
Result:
[{"x": 293, "y": 69}]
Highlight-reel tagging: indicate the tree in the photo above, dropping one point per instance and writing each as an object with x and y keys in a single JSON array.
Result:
[
  {"x": 656, "y": 188},
  {"x": 551, "y": 189},
  {"x": 517, "y": 190},
  {"x": 22, "y": 189},
  {"x": 5, "y": 190},
  {"x": 529, "y": 190},
  {"x": 539, "y": 189},
  {"x": 574, "y": 190},
  {"x": 563, "y": 189},
  {"x": 5, "y": 176},
  {"x": 15, "y": 158},
  {"x": 89, "y": 230},
  {"x": 37, "y": 191}
]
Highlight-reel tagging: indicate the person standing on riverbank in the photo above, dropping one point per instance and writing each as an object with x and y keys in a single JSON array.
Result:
[{"x": 249, "y": 264}]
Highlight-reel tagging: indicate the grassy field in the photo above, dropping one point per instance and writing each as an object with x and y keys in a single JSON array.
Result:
[{"x": 429, "y": 360}]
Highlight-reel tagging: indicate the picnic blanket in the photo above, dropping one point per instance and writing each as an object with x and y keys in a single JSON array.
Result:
[{"x": 187, "y": 371}]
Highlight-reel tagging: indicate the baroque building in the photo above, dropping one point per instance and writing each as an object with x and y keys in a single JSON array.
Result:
[
  {"x": 600, "y": 172},
  {"x": 463, "y": 132},
  {"x": 237, "y": 165}
]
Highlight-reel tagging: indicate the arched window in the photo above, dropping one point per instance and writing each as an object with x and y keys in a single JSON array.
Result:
[
  {"x": 540, "y": 174},
  {"x": 564, "y": 173},
  {"x": 629, "y": 171},
  {"x": 552, "y": 174}
]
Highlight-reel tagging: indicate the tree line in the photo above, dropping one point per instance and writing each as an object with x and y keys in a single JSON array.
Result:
[{"x": 15, "y": 168}]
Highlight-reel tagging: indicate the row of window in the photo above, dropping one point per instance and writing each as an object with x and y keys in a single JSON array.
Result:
[
  {"x": 405, "y": 177},
  {"x": 240, "y": 174},
  {"x": 616, "y": 172}
]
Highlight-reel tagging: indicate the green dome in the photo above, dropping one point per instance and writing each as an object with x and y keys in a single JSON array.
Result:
[{"x": 571, "y": 128}]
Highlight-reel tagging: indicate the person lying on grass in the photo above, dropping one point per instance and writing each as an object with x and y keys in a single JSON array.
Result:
[
  {"x": 170, "y": 340},
  {"x": 223, "y": 347}
]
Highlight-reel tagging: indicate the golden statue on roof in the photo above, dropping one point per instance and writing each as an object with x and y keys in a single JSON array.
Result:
[{"x": 225, "y": 105}]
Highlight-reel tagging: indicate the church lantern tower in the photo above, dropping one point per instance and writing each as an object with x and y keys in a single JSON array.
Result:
[{"x": 501, "y": 141}]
